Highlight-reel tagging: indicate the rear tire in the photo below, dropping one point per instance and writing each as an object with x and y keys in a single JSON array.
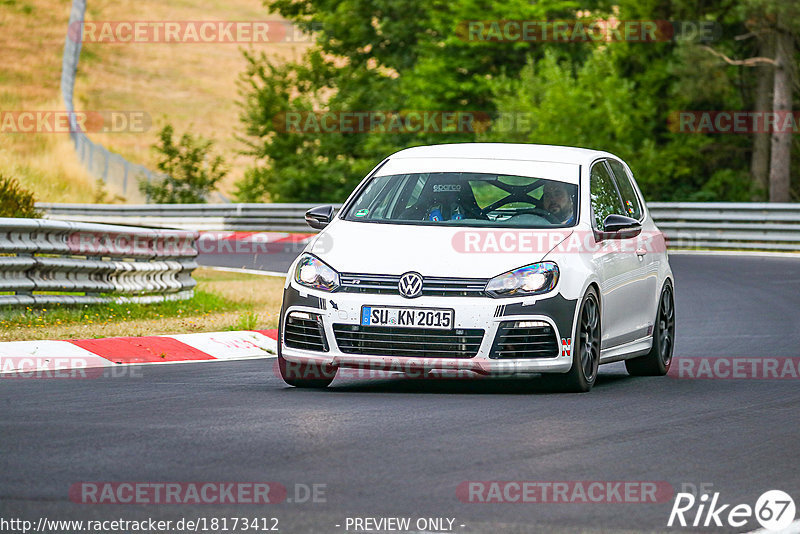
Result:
[
  {"x": 586, "y": 349},
  {"x": 657, "y": 362}
]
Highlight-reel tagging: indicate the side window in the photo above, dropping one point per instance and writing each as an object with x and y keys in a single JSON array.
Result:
[
  {"x": 605, "y": 199},
  {"x": 626, "y": 190}
]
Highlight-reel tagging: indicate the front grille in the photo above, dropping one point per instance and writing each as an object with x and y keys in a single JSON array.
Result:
[
  {"x": 410, "y": 342},
  {"x": 525, "y": 339},
  {"x": 304, "y": 331},
  {"x": 431, "y": 286}
]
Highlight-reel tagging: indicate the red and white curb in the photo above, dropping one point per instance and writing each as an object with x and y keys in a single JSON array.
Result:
[
  {"x": 230, "y": 242},
  {"x": 22, "y": 358}
]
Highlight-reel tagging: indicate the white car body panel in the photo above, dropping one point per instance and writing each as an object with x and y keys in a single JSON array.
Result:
[{"x": 388, "y": 248}]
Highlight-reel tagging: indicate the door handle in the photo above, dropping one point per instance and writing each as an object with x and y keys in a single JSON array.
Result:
[{"x": 641, "y": 252}]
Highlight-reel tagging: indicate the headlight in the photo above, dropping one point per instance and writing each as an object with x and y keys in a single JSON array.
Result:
[
  {"x": 313, "y": 272},
  {"x": 531, "y": 280}
]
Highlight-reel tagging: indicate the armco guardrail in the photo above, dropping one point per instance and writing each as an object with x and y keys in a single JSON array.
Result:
[
  {"x": 728, "y": 225},
  {"x": 756, "y": 226},
  {"x": 41, "y": 260},
  {"x": 238, "y": 217}
]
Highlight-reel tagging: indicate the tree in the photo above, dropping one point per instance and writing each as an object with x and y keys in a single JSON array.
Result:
[
  {"x": 369, "y": 55},
  {"x": 191, "y": 171},
  {"x": 592, "y": 105},
  {"x": 387, "y": 55},
  {"x": 774, "y": 24},
  {"x": 780, "y": 178},
  {"x": 759, "y": 163}
]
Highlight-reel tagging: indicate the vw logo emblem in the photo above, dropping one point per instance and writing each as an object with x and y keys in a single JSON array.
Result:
[{"x": 410, "y": 285}]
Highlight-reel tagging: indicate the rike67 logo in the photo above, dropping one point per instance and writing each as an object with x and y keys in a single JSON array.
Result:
[{"x": 774, "y": 510}]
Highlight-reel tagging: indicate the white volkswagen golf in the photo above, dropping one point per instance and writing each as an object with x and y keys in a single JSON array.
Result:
[{"x": 482, "y": 259}]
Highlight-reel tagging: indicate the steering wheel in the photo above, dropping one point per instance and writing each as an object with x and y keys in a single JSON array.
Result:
[
  {"x": 475, "y": 213},
  {"x": 535, "y": 210}
]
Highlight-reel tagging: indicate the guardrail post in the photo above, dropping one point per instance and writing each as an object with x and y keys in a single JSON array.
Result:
[{"x": 25, "y": 292}]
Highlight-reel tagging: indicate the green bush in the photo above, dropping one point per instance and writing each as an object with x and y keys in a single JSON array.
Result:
[
  {"x": 16, "y": 201},
  {"x": 192, "y": 171},
  {"x": 593, "y": 104}
]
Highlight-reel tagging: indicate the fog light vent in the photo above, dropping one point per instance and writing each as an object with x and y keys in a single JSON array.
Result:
[
  {"x": 525, "y": 339},
  {"x": 304, "y": 330}
]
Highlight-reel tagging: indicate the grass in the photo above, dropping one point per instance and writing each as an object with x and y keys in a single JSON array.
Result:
[
  {"x": 192, "y": 86},
  {"x": 32, "y": 37},
  {"x": 246, "y": 321},
  {"x": 222, "y": 301}
]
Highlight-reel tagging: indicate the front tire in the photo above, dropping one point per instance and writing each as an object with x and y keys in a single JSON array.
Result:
[
  {"x": 657, "y": 362},
  {"x": 306, "y": 375},
  {"x": 586, "y": 349}
]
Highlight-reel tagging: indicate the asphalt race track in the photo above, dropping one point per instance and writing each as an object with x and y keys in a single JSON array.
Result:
[
  {"x": 401, "y": 447},
  {"x": 278, "y": 258}
]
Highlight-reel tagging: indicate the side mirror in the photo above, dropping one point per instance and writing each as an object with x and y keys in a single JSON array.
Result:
[
  {"x": 319, "y": 217},
  {"x": 620, "y": 227}
]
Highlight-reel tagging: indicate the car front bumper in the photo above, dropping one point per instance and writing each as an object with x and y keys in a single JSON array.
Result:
[{"x": 483, "y": 313}]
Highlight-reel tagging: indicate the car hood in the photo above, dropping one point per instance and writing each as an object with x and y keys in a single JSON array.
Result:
[{"x": 374, "y": 248}]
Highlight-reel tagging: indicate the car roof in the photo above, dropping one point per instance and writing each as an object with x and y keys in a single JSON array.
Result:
[{"x": 504, "y": 151}]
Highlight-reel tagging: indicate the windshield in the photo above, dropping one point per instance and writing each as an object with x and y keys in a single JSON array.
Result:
[{"x": 466, "y": 199}]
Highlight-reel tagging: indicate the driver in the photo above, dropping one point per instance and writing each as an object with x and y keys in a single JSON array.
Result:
[{"x": 557, "y": 200}]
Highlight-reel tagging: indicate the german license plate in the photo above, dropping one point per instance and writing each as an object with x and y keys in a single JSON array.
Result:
[{"x": 407, "y": 317}]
